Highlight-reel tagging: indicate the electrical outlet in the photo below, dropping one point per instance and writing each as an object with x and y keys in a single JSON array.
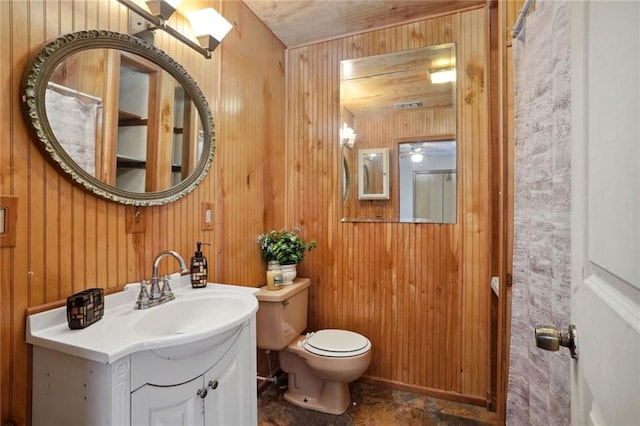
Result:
[
  {"x": 3, "y": 215},
  {"x": 207, "y": 216},
  {"x": 8, "y": 220}
]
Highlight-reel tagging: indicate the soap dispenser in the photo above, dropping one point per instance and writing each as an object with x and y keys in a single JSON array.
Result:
[{"x": 199, "y": 268}]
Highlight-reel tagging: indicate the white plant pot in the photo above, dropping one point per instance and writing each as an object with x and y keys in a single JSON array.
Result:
[{"x": 289, "y": 273}]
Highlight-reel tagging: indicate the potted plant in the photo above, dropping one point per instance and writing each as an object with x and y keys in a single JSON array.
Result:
[{"x": 286, "y": 247}]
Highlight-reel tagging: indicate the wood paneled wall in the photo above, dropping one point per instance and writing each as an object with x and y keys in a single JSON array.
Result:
[
  {"x": 69, "y": 240},
  {"x": 420, "y": 292}
]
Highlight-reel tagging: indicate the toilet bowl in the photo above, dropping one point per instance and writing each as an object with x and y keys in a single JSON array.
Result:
[{"x": 319, "y": 365}]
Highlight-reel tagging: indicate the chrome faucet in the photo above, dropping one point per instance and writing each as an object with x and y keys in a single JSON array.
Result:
[
  {"x": 157, "y": 296},
  {"x": 155, "y": 288}
]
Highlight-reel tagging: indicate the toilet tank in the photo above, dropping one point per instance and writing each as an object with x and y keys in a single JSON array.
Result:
[{"x": 282, "y": 314}]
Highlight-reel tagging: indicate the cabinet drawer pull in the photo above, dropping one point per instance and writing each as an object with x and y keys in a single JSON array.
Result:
[
  {"x": 213, "y": 384},
  {"x": 202, "y": 393}
]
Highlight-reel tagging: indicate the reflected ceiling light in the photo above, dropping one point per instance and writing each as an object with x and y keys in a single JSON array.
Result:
[
  {"x": 442, "y": 76},
  {"x": 417, "y": 157},
  {"x": 347, "y": 68},
  {"x": 443, "y": 62},
  {"x": 347, "y": 136},
  {"x": 209, "y": 27},
  {"x": 163, "y": 9}
]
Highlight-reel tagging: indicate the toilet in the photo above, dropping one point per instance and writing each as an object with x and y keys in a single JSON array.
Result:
[{"x": 321, "y": 364}]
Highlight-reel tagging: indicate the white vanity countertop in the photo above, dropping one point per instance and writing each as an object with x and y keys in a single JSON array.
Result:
[{"x": 114, "y": 336}]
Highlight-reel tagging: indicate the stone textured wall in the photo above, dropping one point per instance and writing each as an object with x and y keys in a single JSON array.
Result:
[{"x": 539, "y": 391}]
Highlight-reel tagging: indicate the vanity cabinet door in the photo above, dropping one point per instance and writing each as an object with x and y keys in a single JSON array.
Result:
[
  {"x": 168, "y": 405},
  {"x": 232, "y": 399},
  {"x": 224, "y": 405},
  {"x": 225, "y": 395}
]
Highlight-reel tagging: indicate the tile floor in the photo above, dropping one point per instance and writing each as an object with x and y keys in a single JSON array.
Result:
[{"x": 373, "y": 406}]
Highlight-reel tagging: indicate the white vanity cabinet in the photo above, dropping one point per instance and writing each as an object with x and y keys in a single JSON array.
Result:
[
  {"x": 221, "y": 394},
  {"x": 207, "y": 382},
  {"x": 190, "y": 361}
]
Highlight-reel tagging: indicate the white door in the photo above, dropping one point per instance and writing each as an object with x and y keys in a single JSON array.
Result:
[{"x": 605, "y": 304}]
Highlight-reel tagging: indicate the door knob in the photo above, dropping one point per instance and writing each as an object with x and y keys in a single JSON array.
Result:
[{"x": 550, "y": 339}]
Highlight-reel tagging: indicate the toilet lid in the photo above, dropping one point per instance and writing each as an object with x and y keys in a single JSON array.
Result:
[{"x": 337, "y": 343}]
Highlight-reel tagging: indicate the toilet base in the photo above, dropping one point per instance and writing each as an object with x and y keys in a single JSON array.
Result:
[
  {"x": 317, "y": 382},
  {"x": 333, "y": 399}
]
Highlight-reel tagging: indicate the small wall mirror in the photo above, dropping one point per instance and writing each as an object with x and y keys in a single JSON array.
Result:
[
  {"x": 119, "y": 116},
  {"x": 400, "y": 105},
  {"x": 373, "y": 174}
]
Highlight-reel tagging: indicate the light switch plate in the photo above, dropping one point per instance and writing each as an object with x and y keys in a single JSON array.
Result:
[{"x": 207, "y": 216}]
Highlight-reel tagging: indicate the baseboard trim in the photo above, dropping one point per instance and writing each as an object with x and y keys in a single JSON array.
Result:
[
  {"x": 435, "y": 393},
  {"x": 390, "y": 384}
]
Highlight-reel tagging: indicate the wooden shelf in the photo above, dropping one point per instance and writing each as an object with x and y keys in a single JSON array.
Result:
[
  {"x": 128, "y": 119},
  {"x": 130, "y": 162}
]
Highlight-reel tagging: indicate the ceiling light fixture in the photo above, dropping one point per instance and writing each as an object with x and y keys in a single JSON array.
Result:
[{"x": 417, "y": 157}]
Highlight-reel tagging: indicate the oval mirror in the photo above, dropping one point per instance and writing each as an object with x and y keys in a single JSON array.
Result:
[{"x": 119, "y": 116}]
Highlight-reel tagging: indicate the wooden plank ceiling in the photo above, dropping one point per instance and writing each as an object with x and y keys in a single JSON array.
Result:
[
  {"x": 402, "y": 80},
  {"x": 384, "y": 82},
  {"x": 302, "y": 22}
]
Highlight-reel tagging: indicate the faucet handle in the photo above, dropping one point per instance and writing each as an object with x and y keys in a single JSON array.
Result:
[
  {"x": 167, "y": 293},
  {"x": 143, "y": 297},
  {"x": 155, "y": 288}
]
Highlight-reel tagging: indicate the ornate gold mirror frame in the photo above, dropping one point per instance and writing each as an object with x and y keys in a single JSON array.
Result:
[{"x": 34, "y": 84}]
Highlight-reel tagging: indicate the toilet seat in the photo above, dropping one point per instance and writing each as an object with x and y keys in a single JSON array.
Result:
[{"x": 336, "y": 343}]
